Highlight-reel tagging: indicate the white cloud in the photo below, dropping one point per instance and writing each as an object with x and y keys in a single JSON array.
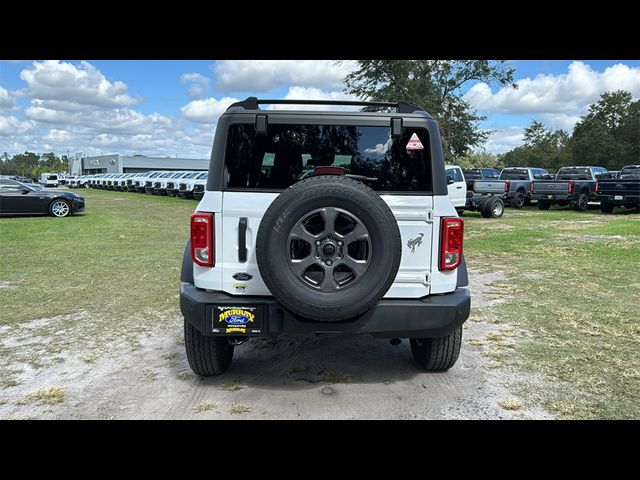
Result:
[
  {"x": 264, "y": 75},
  {"x": 123, "y": 120},
  {"x": 199, "y": 84},
  {"x": 10, "y": 125},
  {"x": 567, "y": 94},
  {"x": 84, "y": 84},
  {"x": 505, "y": 139},
  {"x": 57, "y": 136},
  {"x": 207, "y": 110},
  {"x": 6, "y": 100},
  {"x": 311, "y": 93}
]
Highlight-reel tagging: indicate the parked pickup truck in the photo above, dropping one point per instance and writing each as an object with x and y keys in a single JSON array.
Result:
[
  {"x": 575, "y": 186},
  {"x": 513, "y": 185},
  {"x": 624, "y": 190},
  {"x": 473, "y": 174}
]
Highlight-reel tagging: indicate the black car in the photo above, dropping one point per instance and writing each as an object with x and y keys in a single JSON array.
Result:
[{"x": 17, "y": 198}]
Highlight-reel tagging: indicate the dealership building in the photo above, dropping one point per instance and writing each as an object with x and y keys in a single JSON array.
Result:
[{"x": 137, "y": 163}]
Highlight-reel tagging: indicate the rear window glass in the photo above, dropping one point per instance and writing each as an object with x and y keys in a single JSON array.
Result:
[
  {"x": 573, "y": 174},
  {"x": 630, "y": 172},
  {"x": 514, "y": 174},
  {"x": 472, "y": 174},
  {"x": 289, "y": 153}
]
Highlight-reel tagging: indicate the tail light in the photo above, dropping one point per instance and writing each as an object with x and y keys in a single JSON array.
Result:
[
  {"x": 507, "y": 186},
  {"x": 451, "y": 243},
  {"x": 572, "y": 186},
  {"x": 532, "y": 188},
  {"x": 329, "y": 170},
  {"x": 597, "y": 187},
  {"x": 202, "y": 247},
  {"x": 473, "y": 187}
]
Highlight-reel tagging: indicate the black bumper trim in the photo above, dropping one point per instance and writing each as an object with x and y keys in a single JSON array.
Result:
[{"x": 432, "y": 316}]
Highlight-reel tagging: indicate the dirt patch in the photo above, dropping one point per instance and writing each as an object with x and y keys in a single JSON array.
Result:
[{"x": 315, "y": 378}]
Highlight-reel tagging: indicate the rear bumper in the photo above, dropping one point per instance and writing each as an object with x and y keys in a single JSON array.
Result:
[
  {"x": 626, "y": 199},
  {"x": 556, "y": 197},
  {"x": 432, "y": 316}
]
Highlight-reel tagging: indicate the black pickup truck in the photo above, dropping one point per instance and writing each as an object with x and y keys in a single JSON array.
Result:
[
  {"x": 473, "y": 174},
  {"x": 575, "y": 186},
  {"x": 624, "y": 190}
]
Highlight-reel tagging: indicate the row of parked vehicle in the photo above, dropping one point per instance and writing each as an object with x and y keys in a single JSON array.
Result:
[
  {"x": 486, "y": 190},
  {"x": 184, "y": 184}
]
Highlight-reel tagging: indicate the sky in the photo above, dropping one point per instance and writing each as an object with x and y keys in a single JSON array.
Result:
[{"x": 170, "y": 107}]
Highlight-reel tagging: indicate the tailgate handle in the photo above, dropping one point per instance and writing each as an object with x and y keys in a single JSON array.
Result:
[{"x": 242, "y": 239}]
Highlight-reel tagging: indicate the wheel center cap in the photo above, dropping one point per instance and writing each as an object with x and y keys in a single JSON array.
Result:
[{"x": 329, "y": 250}]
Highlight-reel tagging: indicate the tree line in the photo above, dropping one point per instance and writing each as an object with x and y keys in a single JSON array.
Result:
[
  {"x": 31, "y": 165},
  {"x": 608, "y": 135}
]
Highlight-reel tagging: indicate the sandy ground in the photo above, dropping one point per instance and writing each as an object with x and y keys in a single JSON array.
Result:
[{"x": 324, "y": 378}]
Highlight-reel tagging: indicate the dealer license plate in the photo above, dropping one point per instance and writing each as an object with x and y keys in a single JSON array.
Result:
[
  {"x": 617, "y": 197},
  {"x": 236, "y": 320}
]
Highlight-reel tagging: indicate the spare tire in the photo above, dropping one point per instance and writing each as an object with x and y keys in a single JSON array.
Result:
[{"x": 328, "y": 248}]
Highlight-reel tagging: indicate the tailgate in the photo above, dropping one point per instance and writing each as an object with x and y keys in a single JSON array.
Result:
[
  {"x": 414, "y": 214},
  {"x": 619, "y": 187},
  {"x": 494, "y": 186},
  {"x": 551, "y": 187}
]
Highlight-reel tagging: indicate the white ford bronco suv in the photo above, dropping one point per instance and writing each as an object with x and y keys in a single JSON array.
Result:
[{"x": 323, "y": 223}]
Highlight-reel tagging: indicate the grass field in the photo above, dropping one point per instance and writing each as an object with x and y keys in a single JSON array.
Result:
[
  {"x": 568, "y": 315},
  {"x": 571, "y": 306}
]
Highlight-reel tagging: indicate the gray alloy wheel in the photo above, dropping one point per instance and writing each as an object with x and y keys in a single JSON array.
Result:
[
  {"x": 518, "y": 200},
  {"x": 322, "y": 259},
  {"x": 583, "y": 202},
  {"x": 60, "y": 208}
]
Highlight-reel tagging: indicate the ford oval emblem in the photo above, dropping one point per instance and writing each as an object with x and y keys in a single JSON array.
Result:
[
  {"x": 242, "y": 276},
  {"x": 237, "y": 319}
]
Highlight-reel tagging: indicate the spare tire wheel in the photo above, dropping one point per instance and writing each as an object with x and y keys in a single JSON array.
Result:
[{"x": 328, "y": 248}]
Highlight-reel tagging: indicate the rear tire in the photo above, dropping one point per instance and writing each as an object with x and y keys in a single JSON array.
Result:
[
  {"x": 207, "y": 356},
  {"x": 606, "y": 207},
  {"x": 544, "y": 205},
  {"x": 518, "y": 200},
  {"x": 492, "y": 207},
  {"x": 582, "y": 203},
  {"x": 437, "y": 354}
]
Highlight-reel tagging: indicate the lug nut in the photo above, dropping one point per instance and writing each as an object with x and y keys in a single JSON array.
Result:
[
  {"x": 318, "y": 242},
  {"x": 339, "y": 243}
]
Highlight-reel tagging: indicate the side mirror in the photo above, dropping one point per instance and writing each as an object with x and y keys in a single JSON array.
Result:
[{"x": 449, "y": 180}]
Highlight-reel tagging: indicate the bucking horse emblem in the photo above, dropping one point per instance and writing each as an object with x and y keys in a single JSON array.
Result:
[{"x": 415, "y": 242}]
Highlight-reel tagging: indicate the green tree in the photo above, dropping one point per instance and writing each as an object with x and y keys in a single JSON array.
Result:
[
  {"x": 480, "y": 159},
  {"x": 436, "y": 86},
  {"x": 543, "y": 148},
  {"x": 609, "y": 134}
]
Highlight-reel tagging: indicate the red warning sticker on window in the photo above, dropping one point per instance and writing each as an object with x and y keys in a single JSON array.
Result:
[{"x": 415, "y": 143}]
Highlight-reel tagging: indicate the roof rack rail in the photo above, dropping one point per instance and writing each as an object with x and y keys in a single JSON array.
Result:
[{"x": 253, "y": 103}]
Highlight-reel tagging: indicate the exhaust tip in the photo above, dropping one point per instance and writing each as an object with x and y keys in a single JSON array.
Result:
[{"x": 395, "y": 341}]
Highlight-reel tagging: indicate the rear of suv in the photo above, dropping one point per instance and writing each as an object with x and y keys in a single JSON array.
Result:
[{"x": 323, "y": 223}]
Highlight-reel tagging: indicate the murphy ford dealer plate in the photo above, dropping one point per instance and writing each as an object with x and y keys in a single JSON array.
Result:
[{"x": 236, "y": 320}]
